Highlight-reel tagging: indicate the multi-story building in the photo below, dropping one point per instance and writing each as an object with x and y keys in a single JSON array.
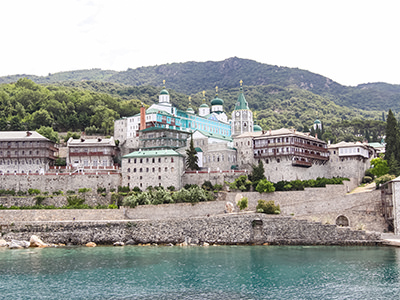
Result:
[
  {"x": 25, "y": 152},
  {"x": 286, "y": 153},
  {"x": 350, "y": 159},
  {"x": 153, "y": 168},
  {"x": 91, "y": 153}
]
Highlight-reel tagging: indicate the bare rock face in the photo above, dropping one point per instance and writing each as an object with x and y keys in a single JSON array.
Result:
[
  {"x": 35, "y": 241},
  {"x": 3, "y": 243},
  {"x": 91, "y": 244}
]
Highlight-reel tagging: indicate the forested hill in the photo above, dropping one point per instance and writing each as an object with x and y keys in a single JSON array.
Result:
[{"x": 193, "y": 77}]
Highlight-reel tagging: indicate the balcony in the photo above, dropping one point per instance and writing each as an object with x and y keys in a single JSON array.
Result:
[
  {"x": 301, "y": 163},
  {"x": 111, "y": 153}
]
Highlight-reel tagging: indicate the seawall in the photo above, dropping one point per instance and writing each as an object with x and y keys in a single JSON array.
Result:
[{"x": 245, "y": 228}]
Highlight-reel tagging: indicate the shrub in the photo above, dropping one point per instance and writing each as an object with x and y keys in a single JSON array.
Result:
[
  {"x": 75, "y": 202},
  {"x": 218, "y": 187},
  {"x": 268, "y": 207},
  {"x": 124, "y": 189},
  {"x": 57, "y": 193},
  {"x": 84, "y": 190},
  {"x": 70, "y": 192},
  {"x": 189, "y": 186},
  {"x": 171, "y": 188},
  {"x": 39, "y": 200},
  {"x": 112, "y": 206},
  {"x": 101, "y": 190},
  {"x": 241, "y": 183},
  {"x": 383, "y": 179},
  {"x": 21, "y": 193},
  {"x": 136, "y": 189},
  {"x": 367, "y": 179},
  {"x": 116, "y": 198},
  {"x": 264, "y": 186},
  {"x": 243, "y": 203},
  {"x": 33, "y": 192},
  {"x": 207, "y": 185}
]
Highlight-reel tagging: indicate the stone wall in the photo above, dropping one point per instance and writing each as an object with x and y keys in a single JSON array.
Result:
[
  {"x": 215, "y": 177},
  {"x": 53, "y": 215},
  {"x": 62, "y": 181},
  {"x": 226, "y": 229}
]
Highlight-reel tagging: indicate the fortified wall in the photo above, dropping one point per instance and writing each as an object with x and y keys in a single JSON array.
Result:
[{"x": 226, "y": 229}]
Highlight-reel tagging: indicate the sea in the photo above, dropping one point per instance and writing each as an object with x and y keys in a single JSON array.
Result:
[{"x": 215, "y": 272}]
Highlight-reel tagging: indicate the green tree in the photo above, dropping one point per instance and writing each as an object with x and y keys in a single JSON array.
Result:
[
  {"x": 192, "y": 158},
  {"x": 392, "y": 137},
  {"x": 257, "y": 174},
  {"x": 265, "y": 186},
  {"x": 41, "y": 118},
  {"x": 49, "y": 133},
  {"x": 379, "y": 167}
]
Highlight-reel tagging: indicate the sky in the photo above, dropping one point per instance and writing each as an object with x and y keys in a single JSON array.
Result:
[{"x": 350, "y": 42}]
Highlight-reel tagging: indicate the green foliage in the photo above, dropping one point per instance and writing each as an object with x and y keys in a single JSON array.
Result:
[
  {"x": 101, "y": 190},
  {"x": 124, "y": 189},
  {"x": 84, "y": 190},
  {"x": 379, "y": 167},
  {"x": 70, "y": 192},
  {"x": 192, "y": 159},
  {"x": 49, "y": 133},
  {"x": 264, "y": 186},
  {"x": 171, "y": 188},
  {"x": 57, "y": 193},
  {"x": 39, "y": 200},
  {"x": 60, "y": 161},
  {"x": 75, "y": 202},
  {"x": 33, "y": 191},
  {"x": 241, "y": 183},
  {"x": 112, "y": 206},
  {"x": 299, "y": 185},
  {"x": 21, "y": 193},
  {"x": 367, "y": 179},
  {"x": 193, "y": 195},
  {"x": 257, "y": 174},
  {"x": 243, "y": 203},
  {"x": 73, "y": 135},
  {"x": 218, "y": 187},
  {"x": 384, "y": 178},
  {"x": 268, "y": 207},
  {"x": 207, "y": 185}
]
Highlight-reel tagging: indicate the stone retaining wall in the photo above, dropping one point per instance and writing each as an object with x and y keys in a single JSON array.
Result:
[
  {"x": 63, "y": 182},
  {"x": 250, "y": 228}
]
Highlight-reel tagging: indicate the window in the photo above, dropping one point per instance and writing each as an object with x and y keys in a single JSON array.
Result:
[
  {"x": 159, "y": 169},
  {"x": 147, "y": 170},
  {"x": 141, "y": 160},
  {"x": 140, "y": 170},
  {"x": 154, "y": 170},
  {"x": 129, "y": 169},
  {"x": 134, "y": 160},
  {"x": 129, "y": 160},
  {"x": 172, "y": 169},
  {"x": 159, "y": 177},
  {"x": 166, "y": 169},
  {"x": 172, "y": 159},
  {"x": 134, "y": 170},
  {"x": 153, "y": 160},
  {"x": 159, "y": 159}
]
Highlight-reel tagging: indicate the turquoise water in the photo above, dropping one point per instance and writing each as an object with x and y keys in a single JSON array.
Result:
[{"x": 226, "y": 272}]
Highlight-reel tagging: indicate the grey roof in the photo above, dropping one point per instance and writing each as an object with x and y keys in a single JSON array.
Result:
[
  {"x": 6, "y": 136},
  {"x": 91, "y": 142}
]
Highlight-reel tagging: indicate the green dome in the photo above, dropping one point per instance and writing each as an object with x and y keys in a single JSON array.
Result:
[
  {"x": 257, "y": 128},
  {"x": 317, "y": 121},
  {"x": 190, "y": 110},
  {"x": 204, "y": 105},
  {"x": 164, "y": 92},
  {"x": 217, "y": 101}
]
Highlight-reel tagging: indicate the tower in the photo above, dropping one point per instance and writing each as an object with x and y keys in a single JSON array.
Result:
[
  {"x": 242, "y": 117},
  {"x": 204, "y": 109}
]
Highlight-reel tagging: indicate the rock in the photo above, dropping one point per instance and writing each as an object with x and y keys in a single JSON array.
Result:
[
  {"x": 205, "y": 244},
  {"x": 130, "y": 242},
  {"x": 118, "y": 244},
  {"x": 18, "y": 244},
  {"x": 36, "y": 242},
  {"x": 91, "y": 244},
  {"x": 229, "y": 207},
  {"x": 3, "y": 243}
]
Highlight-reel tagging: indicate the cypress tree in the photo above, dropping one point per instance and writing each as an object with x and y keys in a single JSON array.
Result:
[
  {"x": 392, "y": 137},
  {"x": 192, "y": 159}
]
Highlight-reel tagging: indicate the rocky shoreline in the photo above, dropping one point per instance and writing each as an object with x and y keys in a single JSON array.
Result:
[{"x": 228, "y": 229}]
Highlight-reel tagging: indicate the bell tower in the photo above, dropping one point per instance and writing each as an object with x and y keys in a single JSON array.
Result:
[{"x": 242, "y": 117}]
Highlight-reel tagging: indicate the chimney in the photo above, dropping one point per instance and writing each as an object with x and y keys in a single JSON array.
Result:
[
  {"x": 316, "y": 136},
  {"x": 28, "y": 133},
  {"x": 99, "y": 139},
  {"x": 142, "y": 117}
]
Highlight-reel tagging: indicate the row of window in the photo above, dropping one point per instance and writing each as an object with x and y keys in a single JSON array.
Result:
[
  {"x": 217, "y": 158},
  {"x": 141, "y": 170},
  {"x": 148, "y": 160},
  {"x": 22, "y": 152},
  {"x": 22, "y": 162},
  {"x": 20, "y": 172}
]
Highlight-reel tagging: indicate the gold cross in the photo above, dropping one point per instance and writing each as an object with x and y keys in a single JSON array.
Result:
[{"x": 241, "y": 82}]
